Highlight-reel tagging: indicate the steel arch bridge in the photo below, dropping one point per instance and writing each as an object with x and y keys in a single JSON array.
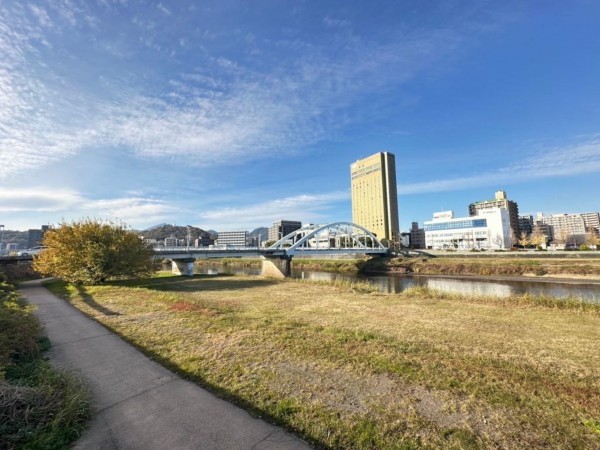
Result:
[{"x": 333, "y": 238}]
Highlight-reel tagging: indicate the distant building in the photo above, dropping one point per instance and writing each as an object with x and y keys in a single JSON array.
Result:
[
  {"x": 500, "y": 201},
  {"x": 253, "y": 241},
  {"x": 171, "y": 241},
  {"x": 542, "y": 228},
  {"x": 234, "y": 238},
  {"x": 591, "y": 220},
  {"x": 35, "y": 237},
  {"x": 525, "y": 224},
  {"x": 374, "y": 196},
  {"x": 417, "y": 236},
  {"x": 566, "y": 227},
  {"x": 282, "y": 228},
  {"x": 204, "y": 240},
  {"x": 489, "y": 229},
  {"x": 405, "y": 239}
]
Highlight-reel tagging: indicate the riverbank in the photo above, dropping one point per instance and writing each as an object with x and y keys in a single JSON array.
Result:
[
  {"x": 499, "y": 268},
  {"x": 322, "y": 265},
  {"x": 350, "y": 368},
  {"x": 538, "y": 268}
]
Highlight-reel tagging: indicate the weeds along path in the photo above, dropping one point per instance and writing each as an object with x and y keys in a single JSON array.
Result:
[{"x": 346, "y": 367}]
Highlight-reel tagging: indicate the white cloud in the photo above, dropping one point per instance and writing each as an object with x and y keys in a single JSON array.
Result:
[
  {"x": 133, "y": 211},
  {"x": 72, "y": 205},
  {"x": 38, "y": 200},
  {"x": 308, "y": 208},
  {"x": 164, "y": 9},
  {"x": 575, "y": 159},
  {"x": 222, "y": 113}
]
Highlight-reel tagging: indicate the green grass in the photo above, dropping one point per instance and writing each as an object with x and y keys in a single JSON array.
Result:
[
  {"x": 41, "y": 407},
  {"x": 351, "y": 368}
]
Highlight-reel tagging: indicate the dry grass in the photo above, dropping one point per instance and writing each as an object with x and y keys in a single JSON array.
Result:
[
  {"x": 41, "y": 406},
  {"x": 348, "y": 368},
  {"x": 558, "y": 267},
  {"x": 322, "y": 265}
]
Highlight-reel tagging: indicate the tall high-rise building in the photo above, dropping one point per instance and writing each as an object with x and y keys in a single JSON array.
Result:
[
  {"x": 374, "y": 195},
  {"x": 500, "y": 201}
]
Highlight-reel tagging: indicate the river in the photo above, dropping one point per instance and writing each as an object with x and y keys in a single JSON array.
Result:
[{"x": 397, "y": 283}]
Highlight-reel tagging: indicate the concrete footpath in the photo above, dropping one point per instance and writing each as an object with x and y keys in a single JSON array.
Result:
[{"x": 140, "y": 404}]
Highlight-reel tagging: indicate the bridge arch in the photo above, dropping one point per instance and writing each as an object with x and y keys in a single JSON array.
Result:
[{"x": 341, "y": 237}]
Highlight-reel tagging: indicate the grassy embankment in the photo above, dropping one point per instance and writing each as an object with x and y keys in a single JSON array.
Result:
[
  {"x": 455, "y": 266},
  {"x": 324, "y": 265},
  {"x": 555, "y": 267},
  {"x": 40, "y": 405},
  {"x": 346, "y": 367}
]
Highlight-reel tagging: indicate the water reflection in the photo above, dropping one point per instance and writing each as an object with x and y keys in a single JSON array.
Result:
[
  {"x": 395, "y": 284},
  {"x": 470, "y": 287}
]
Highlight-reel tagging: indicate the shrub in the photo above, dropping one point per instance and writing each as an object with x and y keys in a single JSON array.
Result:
[{"x": 91, "y": 252}]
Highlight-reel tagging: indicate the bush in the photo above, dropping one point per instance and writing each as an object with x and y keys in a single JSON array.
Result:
[{"x": 91, "y": 252}]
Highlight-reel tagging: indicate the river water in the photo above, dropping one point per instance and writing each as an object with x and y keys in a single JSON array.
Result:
[{"x": 397, "y": 283}]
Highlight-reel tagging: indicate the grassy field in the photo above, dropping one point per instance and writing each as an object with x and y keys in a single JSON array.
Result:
[{"x": 346, "y": 367}]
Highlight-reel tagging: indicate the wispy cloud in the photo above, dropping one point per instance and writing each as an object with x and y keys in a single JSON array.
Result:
[
  {"x": 575, "y": 159},
  {"x": 70, "y": 205},
  {"x": 134, "y": 211},
  {"x": 223, "y": 112},
  {"x": 309, "y": 208},
  {"x": 38, "y": 200},
  {"x": 164, "y": 9}
]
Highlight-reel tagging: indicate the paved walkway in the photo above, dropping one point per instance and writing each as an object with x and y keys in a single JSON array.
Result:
[{"x": 140, "y": 404}]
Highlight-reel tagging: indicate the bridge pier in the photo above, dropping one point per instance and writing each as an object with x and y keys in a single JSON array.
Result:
[
  {"x": 183, "y": 267},
  {"x": 276, "y": 267}
]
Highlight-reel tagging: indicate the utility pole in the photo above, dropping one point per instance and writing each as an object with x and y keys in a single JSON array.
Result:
[{"x": 1, "y": 239}]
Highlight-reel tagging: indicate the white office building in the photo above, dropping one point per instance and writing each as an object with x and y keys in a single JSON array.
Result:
[
  {"x": 489, "y": 229},
  {"x": 233, "y": 238}
]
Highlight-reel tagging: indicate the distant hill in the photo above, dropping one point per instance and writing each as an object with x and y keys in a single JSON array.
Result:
[
  {"x": 160, "y": 232},
  {"x": 262, "y": 232},
  {"x": 155, "y": 226},
  {"x": 18, "y": 237}
]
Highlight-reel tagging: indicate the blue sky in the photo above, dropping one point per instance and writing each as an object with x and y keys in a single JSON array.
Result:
[{"x": 233, "y": 114}]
